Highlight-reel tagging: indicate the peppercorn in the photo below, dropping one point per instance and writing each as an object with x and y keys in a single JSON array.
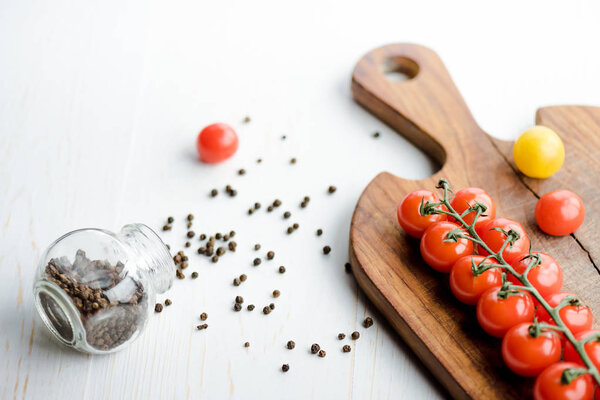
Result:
[
  {"x": 287, "y": 214},
  {"x": 242, "y": 171},
  {"x": 201, "y": 327},
  {"x": 201, "y": 250},
  {"x": 291, "y": 344},
  {"x": 218, "y": 236},
  {"x": 257, "y": 247},
  {"x": 179, "y": 274},
  {"x": 236, "y": 282},
  {"x": 331, "y": 189},
  {"x": 290, "y": 230},
  {"x": 170, "y": 220},
  {"x": 247, "y": 344},
  {"x": 250, "y": 307},
  {"x": 270, "y": 208},
  {"x": 232, "y": 246},
  {"x": 276, "y": 203},
  {"x": 256, "y": 205},
  {"x": 368, "y": 322},
  {"x": 296, "y": 226},
  {"x": 270, "y": 255},
  {"x": 256, "y": 262},
  {"x": 243, "y": 277},
  {"x": 341, "y": 336},
  {"x": 315, "y": 348},
  {"x": 276, "y": 293},
  {"x": 215, "y": 259},
  {"x": 376, "y": 135},
  {"x": 250, "y": 211},
  {"x": 190, "y": 234},
  {"x": 158, "y": 307},
  {"x": 272, "y": 306},
  {"x": 220, "y": 251},
  {"x": 293, "y": 161},
  {"x": 266, "y": 310},
  {"x": 285, "y": 367},
  {"x": 202, "y": 236},
  {"x": 355, "y": 335},
  {"x": 319, "y": 232},
  {"x": 326, "y": 250},
  {"x": 282, "y": 269},
  {"x": 168, "y": 302},
  {"x": 167, "y": 228},
  {"x": 232, "y": 234},
  {"x": 239, "y": 299},
  {"x": 322, "y": 353},
  {"x": 203, "y": 316},
  {"x": 189, "y": 225},
  {"x": 237, "y": 307},
  {"x": 190, "y": 217},
  {"x": 346, "y": 349},
  {"x": 225, "y": 238},
  {"x": 194, "y": 275},
  {"x": 214, "y": 192}
]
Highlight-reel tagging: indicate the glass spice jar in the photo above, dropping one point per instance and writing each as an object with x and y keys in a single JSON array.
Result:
[{"x": 95, "y": 289}]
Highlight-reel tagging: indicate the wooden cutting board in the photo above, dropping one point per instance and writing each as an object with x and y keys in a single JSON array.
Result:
[{"x": 416, "y": 300}]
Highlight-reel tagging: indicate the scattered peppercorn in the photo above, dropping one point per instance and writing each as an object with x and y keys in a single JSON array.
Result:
[
  {"x": 243, "y": 277},
  {"x": 276, "y": 293},
  {"x": 179, "y": 274},
  {"x": 266, "y": 310},
  {"x": 270, "y": 255},
  {"x": 220, "y": 251},
  {"x": 355, "y": 335},
  {"x": 203, "y": 316},
  {"x": 218, "y": 236},
  {"x": 239, "y": 299},
  {"x": 285, "y": 368},
  {"x": 187, "y": 244},
  {"x": 296, "y": 226},
  {"x": 167, "y": 228},
  {"x": 346, "y": 349},
  {"x": 158, "y": 307},
  {"x": 315, "y": 348},
  {"x": 287, "y": 214},
  {"x": 331, "y": 189},
  {"x": 322, "y": 353},
  {"x": 291, "y": 344},
  {"x": 237, "y": 307},
  {"x": 376, "y": 135},
  {"x": 203, "y": 236},
  {"x": 326, "y": 250},
  {"x": 256, "y": 206},
  {"x": 246, "y": 120},
  {"x": 190, "y": 217},
  {"x": 236, "y": 282},
  {"x": 215, "y": 258},
  {"x": 189, "y": 225},
  {"x": 293, "y": 161},
  {"x": 270, "y": 208},
  {"x": 190, "y": 234},
  {"x": 368, "y": 322},
  {"x": 194, "y": 275},
  {"x": 250, "y": 307},
  {"x": 259, "y": 161},
  {"x": 319, "y": 232},
  {"x": 256, "y": 262},
  {"x": 201, "y": 250},
  {"x": 232, "y": 234},
  {"x": 170, "y": 220},
  {"x": 247, "y": 344},
  {"x": 341, "y": 336},
  {"x": 168, "y": 302},
  {"x": 232, "y": 246},
  {"x": 276, "y": 203},
  {"x": 257, "y": 247},
  {"x": 290, "y": 230},
  {"x": 283, "y": 137},
  {"x": 250, "y": 211},
  {"x": 201, "y": 327},
  {"x": 282, "y": 270},
  {"x": 272, "y": 306},
  {"x": 242, "y": 171},
  {"x": 214, "y": 193}
]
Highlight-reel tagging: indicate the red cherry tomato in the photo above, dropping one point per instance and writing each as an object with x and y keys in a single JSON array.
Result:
[
  {"x": 495, "y": 239},
  {"x": 577, "y": 318},
  {"x": 526, "y": 354},
  {"x": 441, "y": 255},
  {"x": 559, "y": 213},
  {"x": 548, "y": 385},
  {"x": 592, "y": 348},
  {"x": 546, "y": 277},
  {"x": 216, "y": 143},
  {"x": 409, "y": 216},
  {"x": 467, "y": 287},
  {"x": 465, "y": 198},
  {"x": 497, "y": 315}
]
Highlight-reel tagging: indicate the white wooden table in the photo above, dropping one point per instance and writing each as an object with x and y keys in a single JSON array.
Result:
[{"x": 100, "y": 104}]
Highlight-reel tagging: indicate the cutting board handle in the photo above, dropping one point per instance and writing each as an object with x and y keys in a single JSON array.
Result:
[{"x": 426, "y": 108}]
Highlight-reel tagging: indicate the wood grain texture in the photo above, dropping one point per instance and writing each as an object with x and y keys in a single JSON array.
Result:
[{"x": 430, "y": 112}]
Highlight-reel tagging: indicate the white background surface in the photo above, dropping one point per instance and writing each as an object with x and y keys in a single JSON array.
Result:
[{"x": 100, "y": 103}]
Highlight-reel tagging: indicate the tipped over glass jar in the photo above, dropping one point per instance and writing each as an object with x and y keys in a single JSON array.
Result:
[{"x": 95, "y": 289}]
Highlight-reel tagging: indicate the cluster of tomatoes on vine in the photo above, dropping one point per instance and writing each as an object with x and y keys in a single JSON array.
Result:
[{"x": 505, "y": 308}]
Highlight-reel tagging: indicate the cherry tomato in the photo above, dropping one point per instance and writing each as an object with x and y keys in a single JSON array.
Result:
[
  {"x": 548, "y": 385},
  {"x": 216, "y": 143},
  {"x": 546, "y": 277},
  {"x": 495, "y": 239},
  {"x": 526, "y": 354},
  {"x": 467, "y": 287},
  {"x": 409, "y": 216},
  {"x": 465, "y": 198},
  {"x": 441, "y": 255},
  {"x": 577, "y": 318},
  {"x": 497, "y": 315},
  {"x": 592, "y": 348},
  {"x": 559, "y": 213},
  {"x": 539, "y": 152}
]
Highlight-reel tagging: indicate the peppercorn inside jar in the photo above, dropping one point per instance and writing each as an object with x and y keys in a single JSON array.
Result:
[{"x": 94, "y": 289}]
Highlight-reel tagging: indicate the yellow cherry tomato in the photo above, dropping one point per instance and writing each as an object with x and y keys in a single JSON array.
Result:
[{"x": 539, "y": 152}]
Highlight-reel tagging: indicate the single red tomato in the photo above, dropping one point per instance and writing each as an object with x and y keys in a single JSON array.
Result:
[
  {"x": 216, "y": 143},
  {"x": 465, "y": 198},
  {"x": 409, "y": 214},
  {"x": 549, "y": 384},
  {"x": 527, "y": 350},
  {"x": 592, "y": 348},
  {"x": 577, "y": 316},
  {"x": 467, "y": 287},
  {"x": 559, "y": 213},
  {"x": 439, "y": 254},
  {"x": 494, "y": 239},
  {"x": 497, "y": 315},
  {"x": 546, "y": 277}
]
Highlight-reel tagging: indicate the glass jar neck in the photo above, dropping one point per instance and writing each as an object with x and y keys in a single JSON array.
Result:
[{"x": 153, "y": 255}]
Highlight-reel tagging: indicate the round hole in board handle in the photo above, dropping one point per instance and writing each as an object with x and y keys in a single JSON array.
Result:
[{"x": 400, "y": 69}]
